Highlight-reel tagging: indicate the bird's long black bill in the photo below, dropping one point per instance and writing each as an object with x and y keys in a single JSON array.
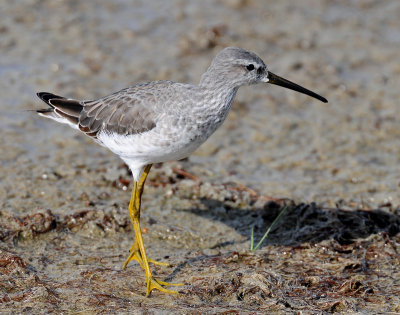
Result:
[{"x": 277, "y": 80}]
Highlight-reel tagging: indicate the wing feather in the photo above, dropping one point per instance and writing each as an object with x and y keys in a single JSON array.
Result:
[
  {"x": 126, "y": 112},
  {"x": 129, "y": 111}
]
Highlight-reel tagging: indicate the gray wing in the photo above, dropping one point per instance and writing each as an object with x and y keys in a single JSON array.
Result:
[
  {"x": 129, "y": 111},
  {"x": 125, "y": 112}
]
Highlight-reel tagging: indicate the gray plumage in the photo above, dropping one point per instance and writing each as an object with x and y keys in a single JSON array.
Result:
[{"x": 163, "y": 120}]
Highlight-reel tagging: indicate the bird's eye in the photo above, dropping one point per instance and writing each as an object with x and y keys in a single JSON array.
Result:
[{"x": 250, "y": 67}]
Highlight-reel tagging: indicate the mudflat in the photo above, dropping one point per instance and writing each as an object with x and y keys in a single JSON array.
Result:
[{"x": 64, "y": 226}]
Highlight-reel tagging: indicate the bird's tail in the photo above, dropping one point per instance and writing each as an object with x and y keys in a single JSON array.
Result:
[{"x": 61, "y": 109}]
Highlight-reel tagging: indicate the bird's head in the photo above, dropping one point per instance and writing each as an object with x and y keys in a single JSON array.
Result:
[{"x": 235, "y": 67}]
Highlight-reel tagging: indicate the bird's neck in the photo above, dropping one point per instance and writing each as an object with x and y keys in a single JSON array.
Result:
[
  {"x": 219, "y": 99},
  {"x": 209, "y": 80},
  {"x": 218, "y": 92}
]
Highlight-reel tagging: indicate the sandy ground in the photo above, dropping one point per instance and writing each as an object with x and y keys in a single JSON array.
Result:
[{"x": 64, "y": 225}]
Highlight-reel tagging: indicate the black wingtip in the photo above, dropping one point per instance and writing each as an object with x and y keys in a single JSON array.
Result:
[
  {"x": 45, "y": 110},
  {"x": 46, "y": 97}
]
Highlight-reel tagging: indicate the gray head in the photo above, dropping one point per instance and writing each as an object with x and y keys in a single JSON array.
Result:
[
  {"x": 233, "y": 67},
  {"x": 236, "y": 67}
]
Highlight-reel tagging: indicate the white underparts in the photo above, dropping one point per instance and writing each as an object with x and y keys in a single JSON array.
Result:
[{"x": 60, "y": 119}]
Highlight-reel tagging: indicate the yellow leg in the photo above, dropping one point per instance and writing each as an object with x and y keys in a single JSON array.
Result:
[
  {"x": 134, "y": 203},
  {"x": 134, "y": 254},
  {"x": 137, "y": 251}
]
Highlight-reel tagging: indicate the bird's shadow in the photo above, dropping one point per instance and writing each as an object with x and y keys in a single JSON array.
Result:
[{"x": 300, "y": 223}]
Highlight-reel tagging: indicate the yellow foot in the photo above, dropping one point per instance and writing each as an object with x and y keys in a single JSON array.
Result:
[
  {"x": 153, "y": 283},
  {"x": 158, "y": 263},
  {"x": 135, "y": 255}
]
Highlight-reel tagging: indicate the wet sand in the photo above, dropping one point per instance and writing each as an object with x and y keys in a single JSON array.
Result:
[{"x": 64, "y": 225}]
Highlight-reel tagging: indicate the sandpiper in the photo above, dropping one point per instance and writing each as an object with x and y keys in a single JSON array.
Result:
[{"x": 161, "y": 121}]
